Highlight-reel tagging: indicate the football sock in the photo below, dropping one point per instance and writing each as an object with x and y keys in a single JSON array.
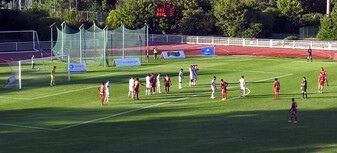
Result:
[
  {"x": 306, "y": 95},
  {"x": 303, "y": 95}
]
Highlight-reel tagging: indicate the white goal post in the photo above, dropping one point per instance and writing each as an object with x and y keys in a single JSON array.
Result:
[
  {"x": 41, "y": 59},
  {"x": 19, "y": 41}
]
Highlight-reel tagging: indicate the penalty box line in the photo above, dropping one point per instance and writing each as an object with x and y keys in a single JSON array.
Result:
[{"x": 130, "y": 111}]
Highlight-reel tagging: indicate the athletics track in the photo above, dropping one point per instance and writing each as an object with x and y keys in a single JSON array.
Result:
[{"x": 191, "y": 49}]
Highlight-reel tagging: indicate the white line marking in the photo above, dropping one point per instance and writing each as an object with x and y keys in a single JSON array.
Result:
[
  {"x": 60, "y": 93},
  {"x": 273, "y": 78},
  {"x": 13, "y": 98},
  {"x": 122, "y": 113},
  {"x": 129, "y": 111},
  {"x": 29, "y": 127},
  {"x": 205, "y": 102}
]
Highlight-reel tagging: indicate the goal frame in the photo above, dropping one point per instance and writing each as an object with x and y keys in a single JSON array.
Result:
[{"x": 42, "y": 59}]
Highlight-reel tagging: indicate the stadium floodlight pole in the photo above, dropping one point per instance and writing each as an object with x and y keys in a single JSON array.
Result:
[
  {"x": 51, "y": 39},
  {"x": 62, "y": 24},
  {"x": 81, "y": 42},
  {"x": 104, "y": 43},
  {"x": 123, "y": 41}
]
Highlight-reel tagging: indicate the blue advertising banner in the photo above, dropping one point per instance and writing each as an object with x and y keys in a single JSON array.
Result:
[
  {"x": 207, "y": 51},
  {"x": 127, "y": 62},
  {"x": 77, "y": 68}
]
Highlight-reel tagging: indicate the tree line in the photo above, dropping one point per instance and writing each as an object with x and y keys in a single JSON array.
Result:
[{"x": 230, "y": 18}]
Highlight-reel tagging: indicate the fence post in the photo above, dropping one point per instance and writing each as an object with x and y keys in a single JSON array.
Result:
[
  {"x": 310, "y": 44},
  {"x": 212, "y": 40},
  {"x": 16, "y": 46},
  {"x": 257, "y": 42},
  {"x": 329, "y": 45},
  {"x": 282, "y": 43},
  {"x": 271, "y": 43},
  {"x": 182, "y": 39},
  {"x": 197, "y": 39},
  {"x": 167, "y": 38},
  {"x": 152, "y": 37},
  {"x": 243, "y": 42},
  {"x": 294, "y": 44},
  {"x": 228, "y": 40}
]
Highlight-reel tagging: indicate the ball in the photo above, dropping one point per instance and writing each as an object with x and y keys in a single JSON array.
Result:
[{"x": 38, "y": 69}]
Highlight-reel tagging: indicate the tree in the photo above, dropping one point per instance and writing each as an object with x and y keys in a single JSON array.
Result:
[
  {"x": 290, "y": 12},
  {"x": 313, "y": 6},
  {"x": 230, "y": 17},
  {"x": 133, "y": 14},
  {"x": 329, "y": 27},
  {"x": 195, "y": 21},
  {"x": 292, "y": 9}
]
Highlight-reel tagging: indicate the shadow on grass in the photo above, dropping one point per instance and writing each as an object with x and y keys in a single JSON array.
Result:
[{"x": 176, "y": 129}]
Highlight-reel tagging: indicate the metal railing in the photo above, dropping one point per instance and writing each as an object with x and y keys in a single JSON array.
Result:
[{"x": 244, "y": 42}]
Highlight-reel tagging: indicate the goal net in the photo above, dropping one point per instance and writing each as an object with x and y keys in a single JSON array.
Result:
[
  {"x": 31, "y": 73},
  {"x": 96, "y": 46}
]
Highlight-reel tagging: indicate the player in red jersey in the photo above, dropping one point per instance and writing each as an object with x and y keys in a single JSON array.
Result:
[
  {"x": 324, "y": 75},
  {"x": 153, "y": 84},
  {"x": 101, "y": 90},
  {"x": 136, "y": 88},
  {"x": 276, "y": 88},
  {"x": 320, "y": 83},
  {"x": 167, "y": 83},
  {"x": 224, "y": 85},
  {"x": 293, "y": 110}
]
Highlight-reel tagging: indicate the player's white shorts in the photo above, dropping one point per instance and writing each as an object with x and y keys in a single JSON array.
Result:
[
  {"x": 130, "y": 88},
  {"x": 242, "y": 88},
  {"x": 148, "y": 85},
  {"x": 180, "y": 79},
  {"x": 191, "y": 76},
  {"x": 107, "y": 94},
  {"x": 213, "y": 89}
]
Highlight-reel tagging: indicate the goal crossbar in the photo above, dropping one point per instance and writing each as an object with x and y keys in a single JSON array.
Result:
[{"x": 42, "y": 59}]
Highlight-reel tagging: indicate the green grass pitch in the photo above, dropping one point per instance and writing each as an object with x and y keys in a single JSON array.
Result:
[{"x": 68, "y": 117}]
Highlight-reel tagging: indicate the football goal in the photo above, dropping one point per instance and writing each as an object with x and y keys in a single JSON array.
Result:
[
  {"x": 36, "y": 71},
  {"x": 19, "y": 41}
]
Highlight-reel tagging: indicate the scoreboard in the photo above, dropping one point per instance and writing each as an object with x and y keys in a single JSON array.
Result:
[{"x": 164, "y": 10}]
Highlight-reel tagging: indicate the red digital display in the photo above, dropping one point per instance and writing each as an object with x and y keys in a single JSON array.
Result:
[{"x": 164, "y": 10}]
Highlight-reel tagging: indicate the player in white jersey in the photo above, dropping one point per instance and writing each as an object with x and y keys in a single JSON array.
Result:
[
  {"x": 148, "y": 85},
  {"x": 181, "y": 76},
  {"x": 213, "y": 86},
  {"x": 242, "y": 84},
  {"x": 191, "y": 75},
  {"x": 107, "y": 91},
  {"x": 196, "y": 74},
  {"x": 158, "y": 83},
  {"x": 131, "y": 87}
]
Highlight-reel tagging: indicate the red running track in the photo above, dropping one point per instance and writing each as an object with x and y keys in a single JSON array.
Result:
[
  {"x": 191, "y": 49},
  {"x": 248, "y": 51}
]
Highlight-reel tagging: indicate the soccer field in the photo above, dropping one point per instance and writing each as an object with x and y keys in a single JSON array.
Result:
[{"x": 68, "y": 117}]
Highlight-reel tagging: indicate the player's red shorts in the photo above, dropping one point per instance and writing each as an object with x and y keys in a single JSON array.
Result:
[
  {"x": 224, "y": 90},
  {"x": 321, "y": 83},
  {"x": 167, "y": 84},
  {"x": 136, "y": 90},
  {"x": 153, "y": 84},
  {"x": 102, "y": 95},
  {"x": 277, "y": 89}
]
